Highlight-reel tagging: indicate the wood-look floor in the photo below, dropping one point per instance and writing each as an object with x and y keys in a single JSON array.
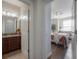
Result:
[{"x": 59, "y": 52}]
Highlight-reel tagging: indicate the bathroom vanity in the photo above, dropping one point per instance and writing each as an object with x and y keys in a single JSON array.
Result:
[{"x": 11, "y": 43}]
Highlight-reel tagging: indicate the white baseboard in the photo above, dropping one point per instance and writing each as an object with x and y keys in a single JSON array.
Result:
[{"x": 49, "y": 54}]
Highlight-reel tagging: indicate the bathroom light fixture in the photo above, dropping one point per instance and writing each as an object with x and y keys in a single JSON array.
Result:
[
  {"x": 13, "y": 15},
  {"x": 3, "y": 12},
  {"x": 8, "y": 14},
  {"x": 20, "y": 17},
  {"x": 24, "y": 17}
]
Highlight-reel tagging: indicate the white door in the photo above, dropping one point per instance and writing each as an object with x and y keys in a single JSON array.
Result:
[
  {"x": 74, "y": 42},
  {"x": 24, "y": 34}
]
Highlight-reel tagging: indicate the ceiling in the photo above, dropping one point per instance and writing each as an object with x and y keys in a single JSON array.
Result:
[
  {"x": 9, "y": 6},
  {"x": 61, "y": 8}
]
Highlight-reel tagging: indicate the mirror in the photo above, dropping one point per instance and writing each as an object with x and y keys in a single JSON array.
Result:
[
  {"x": 9, "y": 24},
  {"x": 10, "y": 18}
]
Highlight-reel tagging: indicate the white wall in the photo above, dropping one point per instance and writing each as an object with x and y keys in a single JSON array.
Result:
[
  {"x": 42, "y": 21},
  {"x": 47, "y": 21}
]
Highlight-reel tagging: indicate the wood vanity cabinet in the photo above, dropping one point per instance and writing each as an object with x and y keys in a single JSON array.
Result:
[
  {"x": 5, "y": 45},
  {"x": 10, "y": 44}
]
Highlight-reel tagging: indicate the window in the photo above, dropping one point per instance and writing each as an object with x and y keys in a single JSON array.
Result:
[{"x": 67, "y": 25}]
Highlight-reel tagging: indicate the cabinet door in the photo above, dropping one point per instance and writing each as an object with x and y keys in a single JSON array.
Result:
[
  {"x": 11, "y": 44},
  {"x": 5, "y": 45},
  {"x": 14, "y": 43},
  {"x": 17, "y": 43}
]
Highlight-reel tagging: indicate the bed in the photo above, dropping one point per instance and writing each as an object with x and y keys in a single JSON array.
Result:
[{"x": 61, "y": 38}]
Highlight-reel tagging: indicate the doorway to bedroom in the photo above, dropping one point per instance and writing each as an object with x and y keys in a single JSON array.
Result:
[{"x": 62, "y": 28}]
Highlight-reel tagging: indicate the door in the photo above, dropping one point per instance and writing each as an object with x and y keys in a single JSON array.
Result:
[
  {"x": 24, "y": 32},
  {"x": 74, "y": 42}
]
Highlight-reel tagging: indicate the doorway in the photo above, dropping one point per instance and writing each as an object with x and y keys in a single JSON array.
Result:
[
  {"x": 63, "y": 25},
  {"x": 15, "y": 27}
]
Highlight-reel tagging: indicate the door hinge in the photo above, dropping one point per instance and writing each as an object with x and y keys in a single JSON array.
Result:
[
  {"x": 28, "y": 30},
  {"x": 28, "y": 50},
  {"x": 75, "y": 31},
  {"x": 75, "y": 0}
]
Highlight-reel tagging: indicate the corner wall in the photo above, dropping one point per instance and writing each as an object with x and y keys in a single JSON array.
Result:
[{"x": 42, "y": 29}]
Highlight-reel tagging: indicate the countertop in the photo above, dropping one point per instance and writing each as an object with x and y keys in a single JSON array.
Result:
[{"x": 13, "y": 35}]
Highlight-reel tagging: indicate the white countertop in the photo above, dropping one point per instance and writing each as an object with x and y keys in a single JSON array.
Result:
[{"x": 4, "y": 36}]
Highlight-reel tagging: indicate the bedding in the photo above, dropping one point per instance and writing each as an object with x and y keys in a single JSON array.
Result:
[{"x": 61, "y": 38}]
